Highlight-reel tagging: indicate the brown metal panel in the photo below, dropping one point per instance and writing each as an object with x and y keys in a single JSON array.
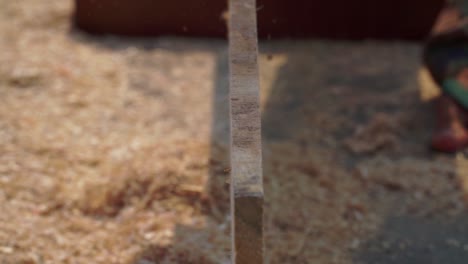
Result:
[{"x": 343, "y": 19}]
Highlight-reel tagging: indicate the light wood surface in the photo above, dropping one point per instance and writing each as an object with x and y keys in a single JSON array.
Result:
[{"x": 246, "y": 154}]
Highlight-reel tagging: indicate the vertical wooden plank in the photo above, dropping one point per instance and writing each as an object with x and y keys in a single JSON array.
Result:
[{"x": 246, "y": 154}]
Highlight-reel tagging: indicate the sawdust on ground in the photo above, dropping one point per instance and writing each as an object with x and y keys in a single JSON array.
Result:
[{"x": 114, "y": 151}]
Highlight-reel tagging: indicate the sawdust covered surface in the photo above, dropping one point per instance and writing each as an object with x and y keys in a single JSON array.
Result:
[{"x": 113, "y": 150}]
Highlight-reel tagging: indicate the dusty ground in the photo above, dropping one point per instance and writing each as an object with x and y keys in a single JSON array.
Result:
[{"x": 115, "y": 150}]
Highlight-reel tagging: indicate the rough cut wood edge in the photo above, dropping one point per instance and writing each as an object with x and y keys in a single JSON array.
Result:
[{"x": 246, "y": 155}]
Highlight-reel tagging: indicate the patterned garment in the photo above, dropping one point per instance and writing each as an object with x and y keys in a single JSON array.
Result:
[
  {"x": 446, "y": 53},
  {"x": 461, "y": 5}
]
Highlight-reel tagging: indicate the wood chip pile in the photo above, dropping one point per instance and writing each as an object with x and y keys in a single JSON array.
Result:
[{"x": 114, "y": 150}]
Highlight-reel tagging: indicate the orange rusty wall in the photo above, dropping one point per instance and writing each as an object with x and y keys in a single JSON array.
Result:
[{"x": 346, "y": 19}]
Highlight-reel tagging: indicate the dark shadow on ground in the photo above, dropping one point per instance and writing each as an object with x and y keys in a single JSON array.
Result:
[
  {"x": 412, "y": 240},
  {"x": 359, "y": 104}
]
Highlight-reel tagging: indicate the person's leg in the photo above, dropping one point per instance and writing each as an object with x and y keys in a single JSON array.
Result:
[
  {"x": 446, "y": 57},
  {"x": 450, "y": 134}
]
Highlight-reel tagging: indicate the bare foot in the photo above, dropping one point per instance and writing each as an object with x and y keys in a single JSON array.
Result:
[{"x": 450, "y": 135}]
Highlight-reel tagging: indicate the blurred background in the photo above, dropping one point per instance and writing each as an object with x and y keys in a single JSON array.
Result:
[
  {"x": 334, "y": 19},
  {"x": 114, "y": 133}
]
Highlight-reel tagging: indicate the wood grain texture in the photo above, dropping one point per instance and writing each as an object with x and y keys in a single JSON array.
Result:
[{"x": 246, "y": 154}]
